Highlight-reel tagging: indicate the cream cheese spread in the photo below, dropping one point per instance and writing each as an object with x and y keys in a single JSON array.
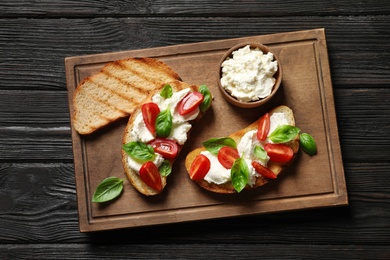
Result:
[
  {"x": 219, "y": 174},
  {"x": 248, "y": 74}
]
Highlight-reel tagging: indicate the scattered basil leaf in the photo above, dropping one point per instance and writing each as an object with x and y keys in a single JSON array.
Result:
[
  {"x": 213, "y": 145},
  {"x": 165, "y": 168},
  {"x": 139, "y": 151},
  {"x": 284, "y": 134},
  {"x": 260, "y": 153},
  {"x": 166, "y": 92},
  {"x": 108, "y": 189},
  {"x": 239, "y": 174},
  {"x": 164, "y": 123},
  {"x": 207, "y": 98},
  {"x": 308, "y": 144}
]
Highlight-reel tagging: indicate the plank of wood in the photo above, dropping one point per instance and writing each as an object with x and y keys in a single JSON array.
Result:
[
  {"x": 38, "y": 205},
  {"x": 47, "y": 8},
  {"x": 195, "y": 251},
  {"x": 33, "y": 50}
]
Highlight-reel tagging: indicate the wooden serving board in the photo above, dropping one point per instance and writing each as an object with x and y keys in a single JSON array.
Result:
[{"x": 310, "y": 182}]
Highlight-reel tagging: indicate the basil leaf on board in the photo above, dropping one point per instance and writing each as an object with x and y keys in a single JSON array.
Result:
[
  {"x": 308, "y": 144},
  {"x": 165, "y": 168},
  {"x": 260, "y": 153},
  {"x": 207, "y": 98},
  {"x": 108, "y": 189},
  {"x": 239, "y": 174},
  {"x": 284, "y": 134},
  {"x": 139, "y": 151},
  {"x": 166, "y": 92},
  {"x": 213, "y": 145},
  {"x": 164, "y": 123}
]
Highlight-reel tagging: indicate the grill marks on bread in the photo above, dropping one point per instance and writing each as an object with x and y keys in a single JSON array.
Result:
[{"x": 116, "y": 90}]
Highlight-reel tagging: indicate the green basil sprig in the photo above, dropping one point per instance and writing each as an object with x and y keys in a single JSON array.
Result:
[
  {"x": 139, "y": 151},
  {"x": 239, "y": 174},
  {"x": 259, "y": 152},
  {"x": 207, "y": 98},
  {"x": 165, "y": 168},
  {"x": 213, "y": 145},
  {"x": 284, "y": 134},
  {"x": 164, "y": 123},
  {"x": 108, "y": 189},
  {"x": 308, "y": 144},
  {"x": 167, "y": 91}
]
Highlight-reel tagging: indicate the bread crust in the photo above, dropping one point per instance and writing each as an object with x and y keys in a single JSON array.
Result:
[
  {"x": 277, "y": 168},
  {"x": 132, "y": 175},
  {"x": 116, "y": 91}
]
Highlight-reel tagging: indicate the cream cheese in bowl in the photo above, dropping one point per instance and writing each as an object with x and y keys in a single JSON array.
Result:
[{"x": 249, "y": 75}]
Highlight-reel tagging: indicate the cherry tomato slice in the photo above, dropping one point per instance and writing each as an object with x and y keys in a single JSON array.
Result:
[
  {"x": 199, "y": 167},
  {"x": 263, "y": 127},
  {"x": 167, "y": 148},
  {"x": 227, "y": 155},
  {"x": 190, "y": 102},
  {"x": 263, "y": 170},
  {"x": 151, "y": 176},
  {"x": 150, "y": 112},
  {"x": 279, "y": 152}
]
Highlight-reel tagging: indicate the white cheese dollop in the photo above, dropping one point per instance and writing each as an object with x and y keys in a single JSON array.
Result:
[
  {"x": 140, "y": 132},
  {"x": 217, "y": 173},
  {"x": 136, "y": 165},
  {"x": 248, "y": 75},
  {"x": 276, "y": 119}
]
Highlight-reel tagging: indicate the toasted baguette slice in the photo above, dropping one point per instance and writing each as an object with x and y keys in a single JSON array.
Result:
[
  {"x": 132, "y": 175},
  {"x": 277, "y": 168},
  {"x": 116, "y": 90}
]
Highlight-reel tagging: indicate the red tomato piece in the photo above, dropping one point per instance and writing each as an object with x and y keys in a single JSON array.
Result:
[
  {"x": 190, "y": 102},
  {"x": 199, "y": 167},
  {"x": 279, "y": 152},
  {"x": 263, "y": 127},
  {"x": 150, "y": 112},
  {"x": 166, "y": 147},
  {"x": 263, "y": 170},
  {"x": 227, "y": 155},
  {"x": 151, "y": 176}
]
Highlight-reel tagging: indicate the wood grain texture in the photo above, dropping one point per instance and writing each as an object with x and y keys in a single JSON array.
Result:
[
  {"x": 58, "y": 8},
  {"x": 38, "y": 205},
  {"x": 38, "y": 212},
  {"x": 195, "y": 251},
  {"x": 32, "y": 51}
]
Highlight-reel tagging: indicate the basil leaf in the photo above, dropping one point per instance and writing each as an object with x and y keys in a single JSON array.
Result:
[
  {"x": 139, "y": 151},
  {"x": 308, "y": 144},
  {"x": 166, "y": 92},
  {"x": 260, "y": 153},
  {"x": 108, "y": 189},
  {"x": 213, "y": 145},
  {"x": 164, "y": 123},
  {"x": 284, "y": 134},
  {"x": 165, "y": 168},
  {"x": 207, "y": 98},
  {"x": 239, "y": 174}
]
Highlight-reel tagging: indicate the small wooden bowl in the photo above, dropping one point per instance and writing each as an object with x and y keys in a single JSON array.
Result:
[{"x": 250, "y": 104}]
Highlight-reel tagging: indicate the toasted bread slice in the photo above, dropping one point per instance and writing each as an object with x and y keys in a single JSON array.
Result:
[
  {"x": 133, "y": 175},
  {"x": 116, "y": 90},
  {"x": 275, "y": 167}
]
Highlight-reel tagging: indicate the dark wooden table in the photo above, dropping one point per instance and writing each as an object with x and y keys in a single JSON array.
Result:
[{"x": 38, "y": 205}]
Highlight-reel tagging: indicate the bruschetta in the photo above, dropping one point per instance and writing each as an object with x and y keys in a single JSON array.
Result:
[{"x": 248, "y": 158}]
